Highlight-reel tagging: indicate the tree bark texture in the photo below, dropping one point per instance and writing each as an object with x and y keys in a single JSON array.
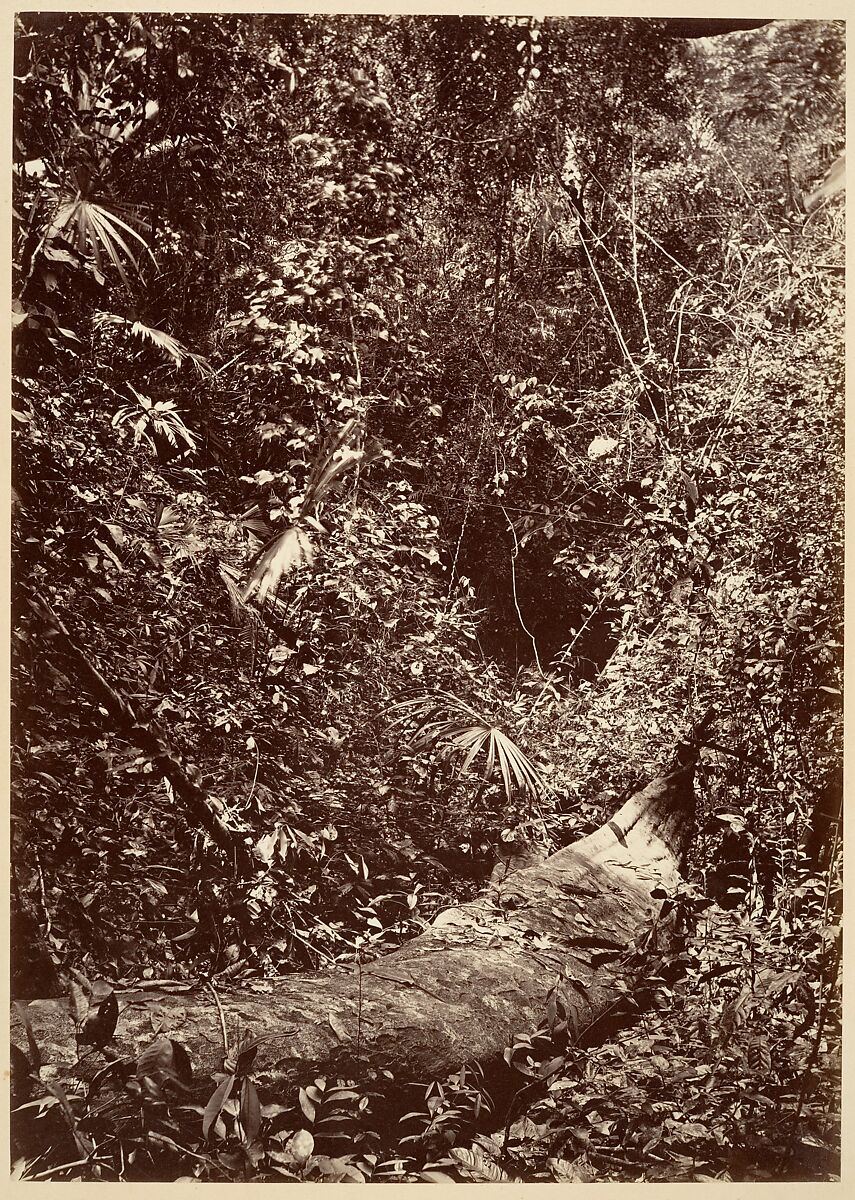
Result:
[{"x": 459, "y": 992}]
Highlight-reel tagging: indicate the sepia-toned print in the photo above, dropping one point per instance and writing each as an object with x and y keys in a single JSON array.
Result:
[{"x": 427, "y": 598}]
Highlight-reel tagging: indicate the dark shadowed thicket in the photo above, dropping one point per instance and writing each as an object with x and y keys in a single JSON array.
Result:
[{"x": 419, "y": 425}]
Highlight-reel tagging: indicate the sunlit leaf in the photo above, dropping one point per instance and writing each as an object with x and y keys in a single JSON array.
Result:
[
  {"x": 307, "y": 1104},
  {"x": 78, "y": 1003},
  {"x": 96, "y": 231},
  {"x": 287, "y": 552},
  {"x": 300, "y": 1146},
  {"x": 601, "y": 447},
  {"x": 477, "y": 1163},
  {"x": 455, "y": 730}
]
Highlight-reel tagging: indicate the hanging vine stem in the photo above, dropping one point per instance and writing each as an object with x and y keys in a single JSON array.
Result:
[
  {"x": 625, "y": 350},
  {"x": 523, "y": 625},
  {"x": 641, "y": 309},
  {"x": 566, "y": 650},
  {"x": 255, "y": 776},
  {"x": 359, "y": 1001},
  {"x": 683, "y": 291},
  {"x": 465, "y": 520},
  {"x": 500, "y": 229},
  {"x": 43, "y": 893}
]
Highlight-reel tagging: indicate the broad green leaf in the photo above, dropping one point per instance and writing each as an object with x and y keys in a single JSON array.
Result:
[
  {"x": 216, "y": 1104},
  {"x": 250, "y": 1110},
  {"x": 477, "y": 1163},
  {"x": 307, "y": 1104},
  {"x": 300, "y": 1146},
  {"x": 158, "y": 1056}
]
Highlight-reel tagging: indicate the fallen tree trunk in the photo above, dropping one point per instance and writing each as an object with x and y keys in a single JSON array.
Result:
[{"x": 457, "y": 993}]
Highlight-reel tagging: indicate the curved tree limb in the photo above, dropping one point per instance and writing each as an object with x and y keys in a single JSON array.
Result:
[{"x": 144, "y": 734}]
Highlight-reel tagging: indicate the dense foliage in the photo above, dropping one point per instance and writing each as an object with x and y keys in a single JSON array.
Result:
[{"x": 420, "y": 422}]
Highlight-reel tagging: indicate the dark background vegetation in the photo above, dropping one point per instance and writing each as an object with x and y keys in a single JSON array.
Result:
[{"x": 511, "y": 347}]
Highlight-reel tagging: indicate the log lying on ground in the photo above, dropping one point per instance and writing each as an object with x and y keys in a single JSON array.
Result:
[{"x": 457, "y": 993}]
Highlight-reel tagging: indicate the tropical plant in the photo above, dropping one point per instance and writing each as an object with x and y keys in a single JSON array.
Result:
[
  {"x": 456, "y": 732},
  {"x": 97, "y": 230},
  {"x": 154, "y": 419},
  {"x": 561, "y": 267},
  {"x": 292, "y": 547},
  {"x": 170, "y": 345}
]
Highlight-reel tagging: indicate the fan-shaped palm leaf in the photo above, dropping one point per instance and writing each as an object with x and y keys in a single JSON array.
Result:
[
  {"x": 283, "y": 554},
  {"x": 239, "y": 609},
  {"x": 173, "y": 528},
  {"x": 97, "y": 231},
  {"x": 456, "y": 731}
]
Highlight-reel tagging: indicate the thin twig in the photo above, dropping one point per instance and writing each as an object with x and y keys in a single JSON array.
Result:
[
  {"x": 649, "y": 236},
  {"x": 685, "y": 288},
  {"x": 121, "y": 495},
  {"x": 220, "y": 370},
  {"x": 756, "y": 207},
  {"x": 407, "y": 983},
  {"x": 359, "y": 1002},
  {"x": 825, "y": 1001},
  {"x": 43, "y": 894},
  {"x": 618, "y": 333},
  {"x": 483, "y": 425},
  {"x": 80, "y": 1162}
]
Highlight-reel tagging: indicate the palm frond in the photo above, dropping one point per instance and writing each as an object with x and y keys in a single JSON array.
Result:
[
  {"x": 164, "y": 341},
  {"x": 291, "y": 548},
  {"x": 333, "y": 460},
  {"x": 518, "y": 764},
  {"x": 161, "y": 417},
  {"x": 475, "y": 738},
  {"x": 453, "y": 729},
  {"x": 285, "y": 553},
  {"x": 240, "y": 611},
  {"x": 178, "y": 532},
  {"x": 158, "y": 337},
  {"x": 97, "y": 231}
]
